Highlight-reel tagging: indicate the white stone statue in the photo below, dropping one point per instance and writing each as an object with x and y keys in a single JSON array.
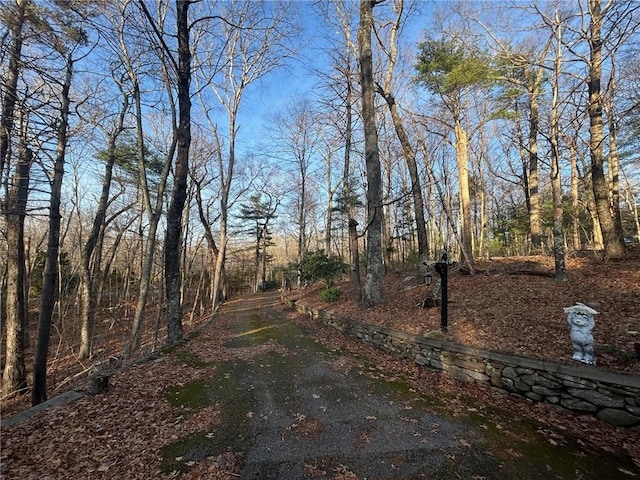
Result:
[{"x": 581, "y": 321}]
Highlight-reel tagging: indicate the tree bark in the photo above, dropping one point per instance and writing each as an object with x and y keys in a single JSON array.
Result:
[
  {"x": 613, "y": 243},
  {"x": 556, "y": 185},
  {"x": 614, "y": 160},
  {"x": 356, "y": 289},
  {"x": 347, "y": 194},
  {"x": 11, "y": 83},
  {"x": 47, "y": 295},
  {"x": 465, "y": 197},
  {"x": 329, "y": 217},
  {"x": 15, "y": 373},
  {"x": 373, "y": 289},
  {"x": 534, "y": 194},
  {"x": 416, "y": 186},
  {"x": 225, "y": 180},
  {"x": 179, "y": 194},
  {"x": 575, "y": 197}
]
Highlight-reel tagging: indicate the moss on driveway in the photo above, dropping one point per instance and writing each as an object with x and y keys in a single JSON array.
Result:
[{"x": 291, "y": 415}]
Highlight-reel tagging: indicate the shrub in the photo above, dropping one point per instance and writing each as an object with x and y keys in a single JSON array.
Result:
[
  {"x": 317, "y": 266},
  {"x": 330, "y": 294}
]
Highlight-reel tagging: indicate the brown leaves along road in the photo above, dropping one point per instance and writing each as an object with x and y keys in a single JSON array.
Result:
[{"x": 259, "y": 393}]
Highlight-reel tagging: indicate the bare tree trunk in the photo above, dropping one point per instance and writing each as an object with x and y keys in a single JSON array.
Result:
[
  {"x": 181, "y": 171},
  {"x": 216, "y": 260},
  {"x": 386, "y": 159},
  {"x": 263, "y": 275},
  {"x": 226, "y": 179},
  {"x": 556, "y": 185},
  {"x": 10, "y": 83},
  {"x": 373, "y": 288},
  {"x": 632, "y": 200},
  {"x": 356, "y": 289},
  {"x": 465, "y": 197},
  {"x": 558, "y": 212},
  {"x": 345, "y": 67},
  {"x": 87, "y": 274},
  {"x": 613, "y": 243},
  {"x": 482, "y": 248},
  {"x": 534, "y": 194},
  {"x": 575, "y": 197},
  {"x": 407, "y": 149},
  {"x": 525, "y": 161},
  {"x": 598, "y": 242},
  {"x": 256, "y": 283},
  {"x": 614, "y": 160},
  {"x": 219, "y": 273},
  {"x": 416, "y": 186},
  {"x": 154, "y": 213},
  {"x": 329, "y": 219},
  {"x": 106, "y": 270},
  {"x": 15, "y": 373},
  {"x": 302, "y": 214},
  {"x": 347, "y": 193},
  {"x": 445, "y": 202},
  {"x": 47, "y": 295}
]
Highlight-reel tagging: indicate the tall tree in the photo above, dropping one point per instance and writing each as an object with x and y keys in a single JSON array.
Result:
[
  {"x": 525, "y": 68},
  {"x": 330, "y": 146},
  {"x": 373, "y": 287},
  {"x": 386, "y": 91},
  {"x": 152, "y": 209},
  {"x": 13, "y": 206},
  {"x": 260, "y": 213},
  {"x": 65, "y": 38},
  {"x": 554, "y": 140},
  {"x": 448, "y": 69},
  {"x": 297, "y": 142},
  {"x": 14, "y": 210},
  {"x": 344, "y": 63},
  {"x": 181, "y": 65},
  {"x": 47, "y": 295},
  {"x": 173, "y": 243},
  {"x": 256, "y": 42},
  {"x": 88, "y": 269},
  {"x": 17, "y": 14},
  {"x": 613, "y": 241}
]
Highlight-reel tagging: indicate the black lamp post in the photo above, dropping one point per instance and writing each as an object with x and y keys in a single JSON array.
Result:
[{"x": 442, "y": 268}]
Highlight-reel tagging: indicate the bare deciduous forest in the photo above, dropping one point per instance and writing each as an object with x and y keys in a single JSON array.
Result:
[{"x": 158, "y": 158}]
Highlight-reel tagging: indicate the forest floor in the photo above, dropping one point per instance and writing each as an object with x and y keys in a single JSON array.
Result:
[
  {"x": 511, "y": 304},
  {"x": 514, "y": 305}
]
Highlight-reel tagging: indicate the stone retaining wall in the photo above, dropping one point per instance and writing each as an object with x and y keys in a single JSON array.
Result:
[{"x": 611, "y": 396}]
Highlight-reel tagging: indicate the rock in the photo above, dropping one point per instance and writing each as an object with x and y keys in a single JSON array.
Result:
[
  {"x": 576, "y": 404},
  {"x": 435, "y": 334},
  {"x": 98, "y": 384},
  {"x": 597, "y": 398},
  {"x": 616, "y": 417}
]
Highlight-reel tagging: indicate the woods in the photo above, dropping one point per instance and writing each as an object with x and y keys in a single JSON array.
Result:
[{"x": 158, "y": 158}]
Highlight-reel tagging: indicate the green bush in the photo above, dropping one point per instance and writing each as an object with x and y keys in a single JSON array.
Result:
[
  {"x": 330, "y": 294},
  {"x": 317, "y": 266}
]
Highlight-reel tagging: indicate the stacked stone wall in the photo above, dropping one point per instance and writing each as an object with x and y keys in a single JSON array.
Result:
[{"x": 611, "y": 396}]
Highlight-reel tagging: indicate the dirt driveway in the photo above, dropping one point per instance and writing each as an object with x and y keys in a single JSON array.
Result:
[{"x": 258, "y": 395}]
